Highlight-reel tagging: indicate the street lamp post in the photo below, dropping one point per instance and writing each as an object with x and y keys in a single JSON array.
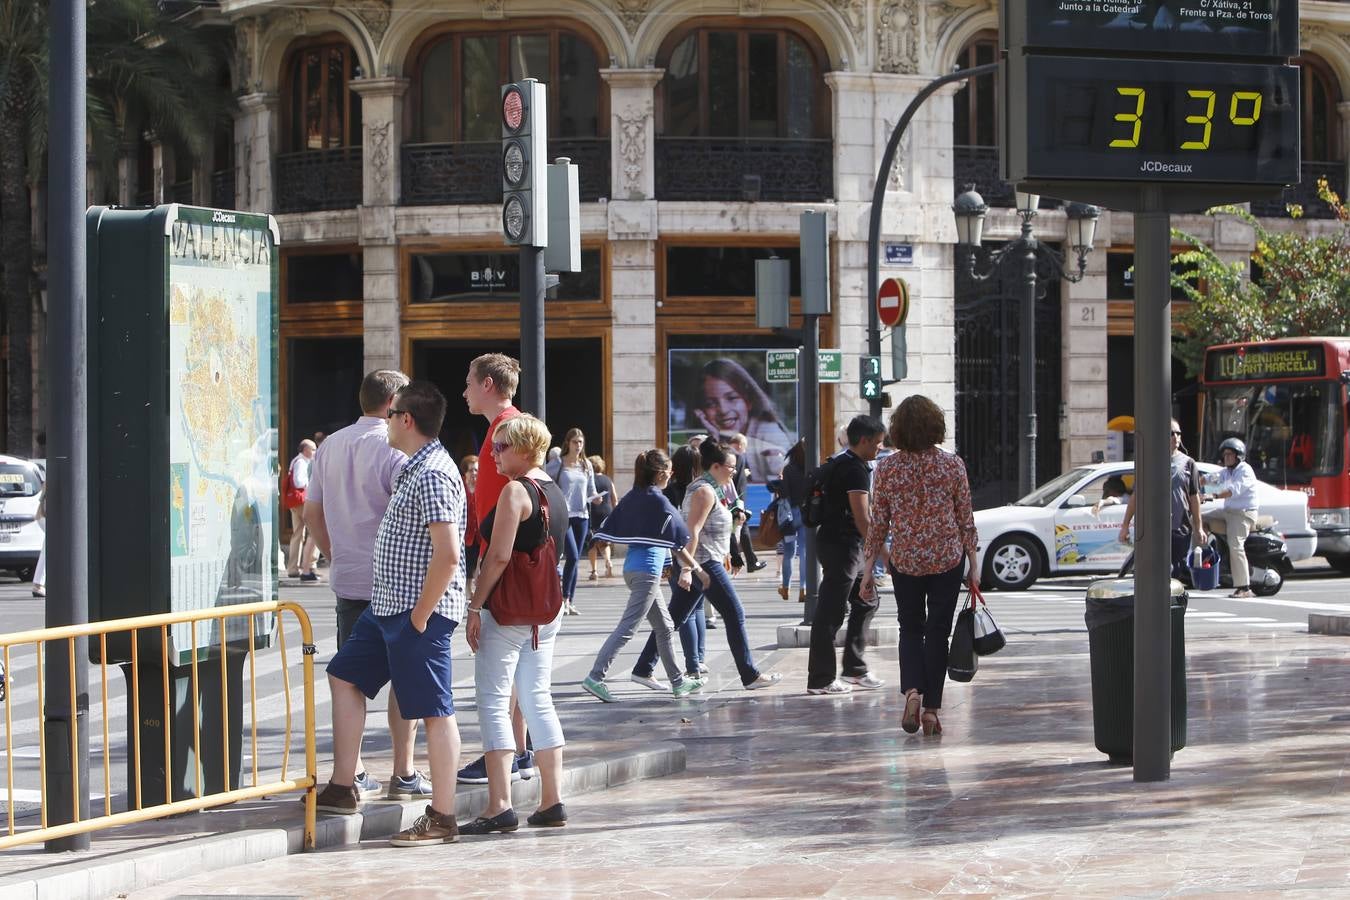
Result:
[{"x": 970, "y": 210}]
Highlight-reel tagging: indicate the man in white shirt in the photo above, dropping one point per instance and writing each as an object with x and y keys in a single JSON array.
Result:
[
  {"x": 1237, "y": 488},
  {"x": 303, "y": 555}
]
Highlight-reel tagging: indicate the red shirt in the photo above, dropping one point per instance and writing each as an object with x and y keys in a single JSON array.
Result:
[
  {"x": 490, "y": 481},
  {"x": 922, "y": 501}
]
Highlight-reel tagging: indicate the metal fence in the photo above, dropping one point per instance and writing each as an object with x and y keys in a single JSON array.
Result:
[{"x": 15, "y": 692}]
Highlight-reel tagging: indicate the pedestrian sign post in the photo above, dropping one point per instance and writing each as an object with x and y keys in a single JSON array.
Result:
[
  {"x": 893, "y": 302},
  {"x": 831, "y": 366},
  {"x": 780, "y": 366},
  {"x": 869, "y": 377}
]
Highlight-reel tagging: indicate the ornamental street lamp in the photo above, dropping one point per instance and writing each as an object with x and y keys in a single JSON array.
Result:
[{"x": 970, "y": 210}]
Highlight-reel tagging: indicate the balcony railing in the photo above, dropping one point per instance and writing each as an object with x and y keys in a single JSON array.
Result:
[
  {"x": 773, "y": 169},
  {"x": 181, "y": 192},
  {"x": 978, "y": 165},
  {"x": 318, "y": 179},
  {"x": 222, "y": 189},
  {"x": 1305, "y": 192},
  {"x": 471, "y": 171}
]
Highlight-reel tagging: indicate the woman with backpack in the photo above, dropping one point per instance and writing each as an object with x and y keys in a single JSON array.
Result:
[
  {"x": 652, "y": 529},
  {"x": 575, "y": 475},
  {"x": 531, "y": 514},
  {"x": 708, "y": 515}
]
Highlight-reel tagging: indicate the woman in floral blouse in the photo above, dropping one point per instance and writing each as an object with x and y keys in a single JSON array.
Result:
[{"x": 921, "y": 500}]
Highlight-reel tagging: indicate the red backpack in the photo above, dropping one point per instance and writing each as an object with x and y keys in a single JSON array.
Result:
[{"x": 529, "y": 592}]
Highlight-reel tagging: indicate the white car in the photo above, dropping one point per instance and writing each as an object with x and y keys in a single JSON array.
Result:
[
  {"x": 1059, "y": 529},
  {"x": 21, "y": 536}
]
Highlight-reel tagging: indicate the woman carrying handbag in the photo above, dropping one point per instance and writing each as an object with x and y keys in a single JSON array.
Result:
[{"x": 921, "y": 501}]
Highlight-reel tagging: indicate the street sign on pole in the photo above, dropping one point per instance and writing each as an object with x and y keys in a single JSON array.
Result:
[
  {"x": 780, "y": 366},
  {"x": 892, "y": 302},
  {"x": 831, "y": 368}
]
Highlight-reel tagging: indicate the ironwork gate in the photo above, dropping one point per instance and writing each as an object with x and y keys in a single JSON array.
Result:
[{"x": 988, "y": 428}]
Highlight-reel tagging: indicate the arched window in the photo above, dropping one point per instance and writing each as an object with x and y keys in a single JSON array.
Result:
[
  {"x": 460, "y": 74},
  {"x": 1321, "y": 128},
  {"x": 975, "y": 119},
  {"x": 321, "y": 112},
  {"x": 744, "y": 81}
]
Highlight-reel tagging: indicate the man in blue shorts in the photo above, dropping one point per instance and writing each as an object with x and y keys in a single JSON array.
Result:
[{"x": 403, "y": 637}]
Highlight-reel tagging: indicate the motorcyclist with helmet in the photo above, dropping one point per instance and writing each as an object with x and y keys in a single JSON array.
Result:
[{"x": 1237, "y": 488}]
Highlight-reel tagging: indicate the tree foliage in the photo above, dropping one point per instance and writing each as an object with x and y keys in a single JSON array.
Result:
[{"x": 1299, "y": 284}]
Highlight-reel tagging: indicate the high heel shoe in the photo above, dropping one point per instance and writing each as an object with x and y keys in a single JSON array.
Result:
[
  {"x": 910, "y": 720},
  {"x": 931, "y": 725}
]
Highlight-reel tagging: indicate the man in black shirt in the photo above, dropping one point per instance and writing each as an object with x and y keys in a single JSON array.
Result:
[{"x": 839, "y": 546}]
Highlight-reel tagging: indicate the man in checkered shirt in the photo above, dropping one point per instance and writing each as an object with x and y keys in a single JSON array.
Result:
[{"x": 416, "y": 601}]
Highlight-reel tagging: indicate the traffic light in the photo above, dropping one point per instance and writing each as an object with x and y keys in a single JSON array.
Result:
[
  {"x": 525, "y": 163},
  {"x": 869, "y": 377}
]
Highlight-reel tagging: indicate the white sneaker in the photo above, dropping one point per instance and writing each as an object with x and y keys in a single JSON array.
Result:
[
  {"x": 651, "y": 681},
  {"x": 864, "y": 682},
  {"x": 763, "y": 681},
  {"x": 834, "y": 687}
]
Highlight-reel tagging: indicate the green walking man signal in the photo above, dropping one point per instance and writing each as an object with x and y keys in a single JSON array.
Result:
[{"x": 869, "y": 377}]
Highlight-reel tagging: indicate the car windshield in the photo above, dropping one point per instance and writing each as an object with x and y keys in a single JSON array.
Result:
[
  {"x": 1293, "y": 430},
  {"x": 1046, "y": 493},
  {"x": 18, "y": 481}
]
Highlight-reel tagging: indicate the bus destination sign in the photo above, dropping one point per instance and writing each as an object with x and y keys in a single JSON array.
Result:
[
  {"x": 1234, "y": 28},
  {"x": 1261, "y": 364}
]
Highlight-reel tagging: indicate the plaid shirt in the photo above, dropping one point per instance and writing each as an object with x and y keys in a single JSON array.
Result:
[{"x": 428, "y": 490}]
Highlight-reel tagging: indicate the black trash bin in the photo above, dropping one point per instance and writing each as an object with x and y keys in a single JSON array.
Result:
[{"x": 1110, "y": 624}]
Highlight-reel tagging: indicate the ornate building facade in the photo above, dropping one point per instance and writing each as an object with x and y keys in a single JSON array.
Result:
[{"x": 702, "y": 129}]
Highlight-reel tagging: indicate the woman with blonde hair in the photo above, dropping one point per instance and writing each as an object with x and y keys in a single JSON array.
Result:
[
  {"x": 921, "y": 501},
  {"x": 597, "y": 549},
  {"x": 508, "y": 656}
]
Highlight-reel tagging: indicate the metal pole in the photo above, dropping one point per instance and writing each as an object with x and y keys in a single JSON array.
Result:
[
  {"x": 810, "y": 418},
  {"x": 1153, "y": 518},
  {"x": 67, "y": 780},
  {"x": 879, "y": 200},
  {"x": 1027, "y": 362},
  {"x": 532, "y": 330}
]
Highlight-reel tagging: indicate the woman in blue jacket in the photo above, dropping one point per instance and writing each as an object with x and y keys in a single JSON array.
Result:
[{"x": 651, "y": 527}]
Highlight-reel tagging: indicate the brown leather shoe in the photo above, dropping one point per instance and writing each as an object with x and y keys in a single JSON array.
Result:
[
  {"x": 340, "y": 799},
  {"x": 430, "y": 828}
]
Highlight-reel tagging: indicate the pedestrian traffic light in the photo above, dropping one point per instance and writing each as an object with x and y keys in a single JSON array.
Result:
[
  {"x": 869, "y": 377},
  {"x": 525, "y": 163}
]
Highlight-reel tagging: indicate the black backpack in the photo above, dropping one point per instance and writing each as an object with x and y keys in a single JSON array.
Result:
[{"x": 816, "y": 507}]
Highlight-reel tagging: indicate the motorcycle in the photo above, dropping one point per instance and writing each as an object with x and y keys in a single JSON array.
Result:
[{"x": 1267, "y": 560}]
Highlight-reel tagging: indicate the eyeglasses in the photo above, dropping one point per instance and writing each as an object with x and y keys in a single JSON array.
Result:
[
  {"x": 396, "y": 412},
  {"x": 499, "y": 448}
]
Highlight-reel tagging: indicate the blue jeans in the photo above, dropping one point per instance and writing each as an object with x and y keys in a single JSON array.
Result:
[
  {"x": 694, "y": 637},
  {"x": 573, "y": 541},
  {"x": 723, "y": 598},
  {"x": 793, "y": 546}
]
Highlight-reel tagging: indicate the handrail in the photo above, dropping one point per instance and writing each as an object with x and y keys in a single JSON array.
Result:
[{"x": 11, "y": 835}]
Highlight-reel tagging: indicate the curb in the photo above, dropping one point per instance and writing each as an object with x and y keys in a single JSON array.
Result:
[
  {"x": 1320, "y": 623},
  {"x": 123, "y": 872},
  {"x": 796, "y": 636}
]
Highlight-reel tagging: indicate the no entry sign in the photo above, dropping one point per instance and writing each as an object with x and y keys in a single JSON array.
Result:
[{"x": 893, "y": 302}]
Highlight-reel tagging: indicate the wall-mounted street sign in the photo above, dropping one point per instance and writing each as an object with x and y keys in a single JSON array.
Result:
[
  {"x": 893, "y": 302},
  {"x": 830, "y": 366},
  {"x": 899, "y": 254},
  {"x": 780, "y": 365}
]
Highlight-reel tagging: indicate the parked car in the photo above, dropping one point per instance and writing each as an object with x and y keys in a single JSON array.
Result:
[
  {"x": 1060, "y": 528},
  {"x": 20, "y": 534}
]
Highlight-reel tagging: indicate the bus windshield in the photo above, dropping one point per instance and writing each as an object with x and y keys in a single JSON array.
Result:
[{"x": 1293, "y": 430}]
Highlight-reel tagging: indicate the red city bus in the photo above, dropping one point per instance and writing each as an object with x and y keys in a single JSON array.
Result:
[{"x": 1287, "y": 400}]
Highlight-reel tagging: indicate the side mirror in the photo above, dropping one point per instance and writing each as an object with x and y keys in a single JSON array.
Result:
[{"x": 1076, "y": 501}]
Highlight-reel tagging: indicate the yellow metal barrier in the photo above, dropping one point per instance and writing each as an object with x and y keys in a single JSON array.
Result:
[{"x": 39, "y": 639}]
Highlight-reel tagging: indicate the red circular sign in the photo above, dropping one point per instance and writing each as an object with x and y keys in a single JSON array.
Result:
[
  {"x": 892, "y": 302},
  {"x": 513, "y": 109}
]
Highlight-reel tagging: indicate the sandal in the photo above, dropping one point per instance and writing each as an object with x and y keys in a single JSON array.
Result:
[
  {"x": 931, "y": 725},
  {"x": 910, "y": 720},
  {"x": 1244, "y": 592}
]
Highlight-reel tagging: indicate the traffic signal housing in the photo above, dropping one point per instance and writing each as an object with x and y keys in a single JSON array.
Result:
[
  {"x": 869, "y": 377},
  {"x": 525, "y": 163}
]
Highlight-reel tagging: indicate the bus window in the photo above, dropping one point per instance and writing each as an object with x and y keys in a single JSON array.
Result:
[{"x": 1293, "y": 430}]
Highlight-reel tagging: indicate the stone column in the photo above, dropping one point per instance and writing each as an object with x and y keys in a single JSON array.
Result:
[
  {"x": 381, "y": 189},
  {"x": 1084, "y": 372},
  {"x": 1344, "y": 110},
  {"x": 257, "y": 138},
  {"x": 126, "y": 173},
  {"x": 160, "y": 192},
  {"x": 632, "y": 231}
]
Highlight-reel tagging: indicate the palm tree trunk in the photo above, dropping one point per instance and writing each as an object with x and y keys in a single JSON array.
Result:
[{"x": 16, "y": 257}]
